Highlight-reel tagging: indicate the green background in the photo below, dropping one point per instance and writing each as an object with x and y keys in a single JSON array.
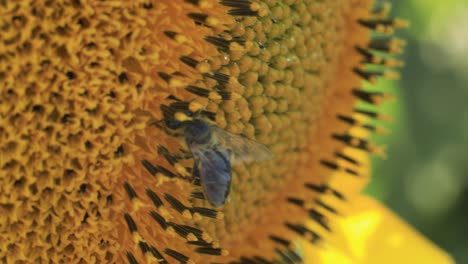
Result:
[{"x": 425, "y": 177}]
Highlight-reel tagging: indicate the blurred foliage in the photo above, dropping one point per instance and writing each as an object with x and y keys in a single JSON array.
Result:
[{"x": 425, "y": 177}]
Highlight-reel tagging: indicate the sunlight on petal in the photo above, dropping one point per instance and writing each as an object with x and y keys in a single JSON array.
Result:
[{"x": 370, "y": 233}]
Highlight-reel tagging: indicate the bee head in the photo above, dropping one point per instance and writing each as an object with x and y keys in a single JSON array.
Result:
[
  {"x": 195, "y": 130},
  {"x": 172, "y": 123},
  {"x": 173, "y": 118},
  {"x": 178, "y": 120}
]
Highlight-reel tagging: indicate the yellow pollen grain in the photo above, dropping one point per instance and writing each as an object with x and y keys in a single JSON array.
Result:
[
  {"x": 162, "y": 179},
  {"x": 137, "y": 204},
  {"x": 177, "y": 83},
  {"x": 211, "y": 21},
  {"x": 182, "y": 117},
  {"x": 214, "y": 96},
  {"x": 205, "y": 4},
  {"x": 191, "y": 237},
  {"x": 182, "y": 170},
  {"x": 187, "y": 214},
  {"x": 207, "y": 238},
  {"x": 203, "y": 67},
  {"x": 197, "y": 217},
  {"x": 136, "y": 237},
  {"x": 196, "y": 106},
  {"x": 150, "y": 258},
  {"x": 180, "y": 39}
]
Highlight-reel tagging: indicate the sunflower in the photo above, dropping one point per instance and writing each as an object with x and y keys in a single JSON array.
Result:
[{"x": 87, "y": 178}]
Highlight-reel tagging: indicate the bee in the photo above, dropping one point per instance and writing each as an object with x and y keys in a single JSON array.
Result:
[{"x": 214, "y": 151}]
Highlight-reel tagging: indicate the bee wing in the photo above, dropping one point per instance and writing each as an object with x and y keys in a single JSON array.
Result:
[
  {"x": 213, "y": 166},
  {"x": 242, "y": 149}
]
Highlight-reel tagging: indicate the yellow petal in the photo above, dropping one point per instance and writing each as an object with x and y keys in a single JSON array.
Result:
[{"x": 371, "y": 233}]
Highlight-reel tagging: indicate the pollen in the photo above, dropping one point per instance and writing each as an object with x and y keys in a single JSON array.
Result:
[{"x": 91, "y": 172}]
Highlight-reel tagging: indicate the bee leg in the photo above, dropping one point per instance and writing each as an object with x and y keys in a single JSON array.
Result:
[
  {"x": 195, "y": 176},
  {"x": 185, "y": 154}
]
